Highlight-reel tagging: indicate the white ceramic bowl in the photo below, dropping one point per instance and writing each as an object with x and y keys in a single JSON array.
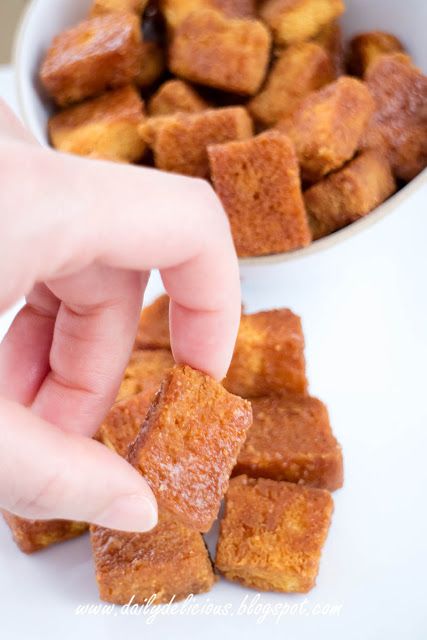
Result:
[{"x": 46, "y": 18}]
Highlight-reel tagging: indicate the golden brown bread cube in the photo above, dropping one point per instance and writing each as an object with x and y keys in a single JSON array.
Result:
[
  {"x": 259, "y": 185},
  {"x": 331, "y": 39},
  {"x": 98, "y": 54},
  {"x": 100, "y": 7},
  {"x": 349, "y": 194},
  {"x": 145, "y": 366},
  {"x": 269, "y": 355},
  {"x": 299, "y": 70},
  {"x": 399, "y": 125},
  {"x": 291, "y": 439},
  {"x": 153, "y": 327},
  {"x": 189, "y": 444},
  {"x": 180, "y": 142},
  {"x": 365, "y": 48},
  {"x": 33, "y": 535},
  {"x": 225, "y": 53},
  {"x": 272, "y": 534},
  {"x": 171, "y": 561},
  {"x": 105, "y": 127},
  {"x": 175, "y": 11},
  {"x": 299, "y": 20},
  {"x": 152, "y": 64},
  {"x": 328, "y": 126},
  {"x": 175, "y": 96}
]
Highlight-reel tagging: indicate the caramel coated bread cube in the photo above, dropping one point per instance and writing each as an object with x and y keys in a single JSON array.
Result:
[
  {"x": 225, "y": 53},
  {"x": 291, "y": 439},
  {"x": 105, "y": 127},
  {"x": 365, "y": 48},
  {"x": 272, "y": 534},
  {"x": 33, "y": 535},
  {"x": 175, "y": 11},
  {"x": 189, "y": 444},
  {"x": 100, "y": 7},
  {"x": 171, "y": 561},
  {"x": 180, "y": 142},
  {"x": 399, "y": 125},
  {"x": 349, "y": 194},
  {"x": 331, "y": 39},
  {"x": 175, "y": 96},
  {"x": 98, "y": 54},
  {"x": 328, "y": 126},
  {"x": 152, "y": 64},
  {"x": 146, "y": 367},
  {"x": 299, "y": 70},
  {"x": 153, "y": 328},
  {"x": 259, "y": 185},
  {"x": 269, "y": 355},
  {"x": 299, "y": 20}
]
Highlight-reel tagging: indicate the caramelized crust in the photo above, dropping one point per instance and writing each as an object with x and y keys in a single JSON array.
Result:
[
  {"x": 152, "y": 64},
  {"x": 105, "y": 127},
  {"x": 189, "y": 444},
  {"x": 269, "y": 355},
  {"x": 328, "y": 126},
  {"x": 100, "y": 7},
  {"x": 272, "y": 534},
  {"x": 299, "y": 20},
  {"x": 180, "y": 142},
  {"x": 98, "y": 54},
  {"x": 331, "y": 39},
  {"x": 399, "y": 125},
  {"x": 365, "y": 48},
  {"x": 153, "y": 328},
  {"x": 175, "y": 11},
  {"x": 228, "y": 54},
  {"x": 299, "y": 70},
  {"x": 175, "y": 96},
  {"x": 291, "y": 439},
  {"x": 33, "y": 535},
  {"x": 146, "y": 367},
  {"x": 349, "y": 194},
  {"x": 171, "y": 561}
]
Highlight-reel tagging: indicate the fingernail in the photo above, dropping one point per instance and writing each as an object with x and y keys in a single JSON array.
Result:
[{"x": 129, "y": 513}]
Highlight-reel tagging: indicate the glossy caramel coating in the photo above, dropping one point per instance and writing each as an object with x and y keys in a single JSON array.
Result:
[
  {"x": 153, "y": 327},
  {"x": 291, "y": 439},
  {"x": 224, "y": 53},
  {"x": 331, "y": 39},
  {"x": 349, "y": 194},
  {"x": 98, "y": 54},
  {"x": 259, "y": 185},
  {"x": 189, "y": 444},
  {"x": 175, "y": 11},
  {"x": 175, "y": 96},
  {"x": 298, "y": 20},
  {"x": 399, "y": 125},
  {"x": 171, "y": 561},
  {"x": 180, "y": 142},
  {"x": 328, "y": 126},
  {"x": 269, "y": 355},
  {"x": 365, "y": 48},
  {"x": 145, "y": 366},
  {"x": 272, "y": 534},
  {"x": 100, "y": 7},
  {"x": 299, "y": 70},
  {"x": 34, "y": 535},
  {"x": 105, "y": 127}
]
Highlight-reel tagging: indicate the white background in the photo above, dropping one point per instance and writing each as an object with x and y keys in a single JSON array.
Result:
[{"x": 364, "y": 312}]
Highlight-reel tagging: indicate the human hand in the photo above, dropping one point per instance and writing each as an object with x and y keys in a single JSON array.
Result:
[{"x": 78, "y": 238}]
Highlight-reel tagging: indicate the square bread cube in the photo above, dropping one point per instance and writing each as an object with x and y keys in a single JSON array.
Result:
[
  {"x": 175, "y": 96},
  {"x": 180, "y": 142},
  {"x": 34, "y": 535},
  {"x": 153, "y": 327},
  {"x": 100, "y": 7},
  {"x": 269, "y": 355},
  {"x": 349, "y": 194},
  {"x": 105, "y": 127},
  {"x": 98, "y": 54},
  {"x": 189, "y": 444},
  {"x": 175, "y": 11},
  {"x": 224, "y": 53},
  {"x": 299, "y": 20},
  {"x": 152, "y": 64},
  {"x": 272, "y": 534},
  {"x": 331, "y": 39},
  {"x": 399, "y": 125},
  {"x": 259, "y": 184},
  {"x": 145, "y": 367},
  {"x": 328, "y": 126},
  {"x": 365, "y": 48},
  {"x": 171, "y": 561},
  {"x": 291, "y": 439},
  {"x": 299, "y": 70}
]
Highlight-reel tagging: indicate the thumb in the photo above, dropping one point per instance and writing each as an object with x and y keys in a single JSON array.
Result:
[{"x": 47, "y": 473}]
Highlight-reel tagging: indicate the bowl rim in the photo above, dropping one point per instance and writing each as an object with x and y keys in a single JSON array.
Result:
[{"x": 317, "y": 246}]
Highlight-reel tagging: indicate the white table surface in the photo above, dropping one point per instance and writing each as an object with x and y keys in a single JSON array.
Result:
[{"x": 364, "y": 311}]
